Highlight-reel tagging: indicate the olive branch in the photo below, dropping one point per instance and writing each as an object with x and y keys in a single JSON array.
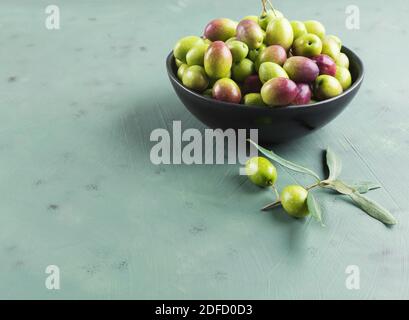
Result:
[
  {"x": 264, "y": 5},
  {"x": 354, "y": 190}
]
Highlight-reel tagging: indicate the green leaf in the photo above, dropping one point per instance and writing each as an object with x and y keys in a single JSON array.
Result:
[
  {"x": 340, "y": 187},
  {"x": 363, "y": 186},
  {"x": 347, "y": 188},
  {"x": 285, "y": 163},
  {"x": 334, "y": 165},
  {"x": 373, "y": 209},
  {"x": 370, "y": 207},
  {"x": 314, "y": 208}
]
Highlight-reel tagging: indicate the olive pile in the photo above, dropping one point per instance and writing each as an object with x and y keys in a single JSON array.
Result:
[{"x": 263, "y": 60}]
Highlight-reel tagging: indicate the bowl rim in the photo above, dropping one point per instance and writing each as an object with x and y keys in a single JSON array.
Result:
[{"x": 350, "y": 53}]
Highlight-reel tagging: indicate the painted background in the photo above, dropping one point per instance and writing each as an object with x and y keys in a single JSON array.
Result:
[{"x": 78, "y": 190}]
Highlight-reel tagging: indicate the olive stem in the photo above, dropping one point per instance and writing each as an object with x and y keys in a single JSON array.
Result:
[
  {"x": 272, "y": 7},
  {"x": 313, "y": 186},
  {"x": 271, "y": 205},
  {"x": 276, "y": 192},
  {"x": 263, "y": 2}
]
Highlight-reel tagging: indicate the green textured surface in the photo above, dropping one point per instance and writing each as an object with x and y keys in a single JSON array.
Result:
[{"x": 78, "y": 190}]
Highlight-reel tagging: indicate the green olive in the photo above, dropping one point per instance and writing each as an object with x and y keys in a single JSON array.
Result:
[
  {"x": 242, "y": 70},
  {"x": 294, "y": 201},
  {"x": 267, "y": 17},
  {"x": 184, "y": 45},
  {"x": 270, "y": 70},
  {"x": 182, "y": 70},
  {"x": 337, "y": 40},
  {"x": 239, "y": 50},
  {"x": 344, "y": 77},
  {"x": 195, "y": 78},
  {"x": 331, "y": 48},
  {"x": 315, "y": 27},
  {"x": 253, "y": 54},
  {"x": 195, "y": 56},
  {"x": 342, "y": 60},
  {"x": 208, "y": 93},
  {"x": 299, "y": 28},
  {"x": 231, "y": 39},
  {"x": 253, "y": 99},
  {"x": 261, "y": 171},
  {"x": 178, "y": 62}
]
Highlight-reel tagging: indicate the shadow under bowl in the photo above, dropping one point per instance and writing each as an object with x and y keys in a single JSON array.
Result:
[{"x": 275, "y": 124}]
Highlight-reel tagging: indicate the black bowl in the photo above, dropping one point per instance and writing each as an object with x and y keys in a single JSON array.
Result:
[{"x": 275, "y": 125}]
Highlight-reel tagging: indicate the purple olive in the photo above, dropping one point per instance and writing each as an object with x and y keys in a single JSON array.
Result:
[
  {"x": 325, "y": 64},
  {"x": 252, "y": 84},
  {"x": 218, "y": 60},
  {"x": 301, "y": 69},
  {"x": 249, "y": 32},
  {"x": 274, "y": 53},
  {"x": 279, "y": 92},
  {"x": 220, "y": 29},
  {"x": 304, "y": 94},
  {"x": 226, "y": 90}
]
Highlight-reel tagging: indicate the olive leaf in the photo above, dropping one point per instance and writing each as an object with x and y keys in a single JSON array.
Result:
[
  {"x": 338, "y": 186},
  {"x": 285, "y": 163},
  {"x": 334, "y": 165},
  {"x": 369, "y": 206},
  {"x": 363, "y": 186},
  {"x": 348, "y": 188},
  {"x": 314, "y": 208},
  {"x": 373, "y": 209}
]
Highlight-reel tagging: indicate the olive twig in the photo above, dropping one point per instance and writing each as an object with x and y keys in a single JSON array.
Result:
[
  {"x": 271, "y": 205},
  {"x": 298, "y": 201},
  {"x": 272, "y": 7},
  {"x": 318, "y": 184},
  {"x": 276, "y": 192},
  {"x": 263, "y": 2}
]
